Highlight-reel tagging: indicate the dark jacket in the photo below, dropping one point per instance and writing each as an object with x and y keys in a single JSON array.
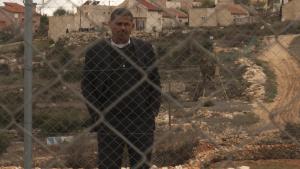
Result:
[{"x": 118, "y": 87}]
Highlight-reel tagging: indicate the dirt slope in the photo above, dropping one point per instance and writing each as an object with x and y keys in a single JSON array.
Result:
[{"x": 286, "y": 106}]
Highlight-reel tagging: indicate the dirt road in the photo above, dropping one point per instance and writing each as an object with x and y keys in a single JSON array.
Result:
[{"x": 286, "y": 105}]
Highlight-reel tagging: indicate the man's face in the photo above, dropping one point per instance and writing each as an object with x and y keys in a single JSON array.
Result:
[{"x": 121, "y": 28}]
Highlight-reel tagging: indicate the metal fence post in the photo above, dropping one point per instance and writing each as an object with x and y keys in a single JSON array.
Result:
[
  {"x": 28, "y": 85},
  {"x": 169, "y": 104}
]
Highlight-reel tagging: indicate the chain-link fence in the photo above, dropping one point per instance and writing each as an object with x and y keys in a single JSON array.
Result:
[{"x": 200, "y": 84}]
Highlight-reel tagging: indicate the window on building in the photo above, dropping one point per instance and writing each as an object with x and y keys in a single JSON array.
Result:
[
  {"x": 237, "y": 20},
  {"x": 140, "y": 24},
  {"x": 204, "y": 18},
  {"x": 138, "y": 10}
]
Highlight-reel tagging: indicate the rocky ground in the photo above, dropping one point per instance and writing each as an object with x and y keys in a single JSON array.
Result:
[{"x": 236, "y": 143}]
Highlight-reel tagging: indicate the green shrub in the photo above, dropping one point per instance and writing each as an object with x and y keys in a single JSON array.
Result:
[
  {"x": 12, "y": 99},
  {"x": 4, "y": 69},
  {"x": 44, "y": 24},
  {"x": 60, "y": 54},
  {"x": 228, "y": 56},
  {"x": 246, "y": 119},
  {"x": 20, "y": 51},
  {"x": 188, "y": 52},
  {"x": 293, "y": 130},
  {"x": 176, "y": 148},
  {"x": 13, "y": 78},
  {"x": 4, "y": 142},
  {"x": 58, "y": 120},
  {"x": 72, "y": 76},
  {"x": 80, "y": 153},
  {"x": 208, "y": 103},
  {"x": 271, "y": 84},
  {"x": 232, "y": 74},
  {"x": 4, "y": 37},
  {"x": 5, "y": 118},
  {"x": 46, "y": 73}
]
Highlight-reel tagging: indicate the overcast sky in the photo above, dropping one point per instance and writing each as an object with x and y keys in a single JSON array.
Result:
[{"x": 52, "y": 5}]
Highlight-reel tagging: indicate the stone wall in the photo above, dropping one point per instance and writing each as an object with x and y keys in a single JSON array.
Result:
[
  {"x": 58, "y": 26},
  {"x": 209, "y": 17},
  {"x": 88, "y": 17},
  {"x": 291, "y": 11},
  {"x": 91, "y": 17},
  {"x": 154, "y": 21}
]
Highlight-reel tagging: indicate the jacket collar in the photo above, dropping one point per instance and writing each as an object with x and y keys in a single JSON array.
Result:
[{"x": 119, "y": 45}]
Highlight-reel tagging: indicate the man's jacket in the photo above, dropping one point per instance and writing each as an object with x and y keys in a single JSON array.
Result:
[{"x": 123, "y": 85}]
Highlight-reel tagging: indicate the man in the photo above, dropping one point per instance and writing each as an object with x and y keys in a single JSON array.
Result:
[{"x": 122, "y": 86}]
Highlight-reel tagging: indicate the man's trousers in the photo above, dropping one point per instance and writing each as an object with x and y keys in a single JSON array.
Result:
[{"x": 111, "y": 147}]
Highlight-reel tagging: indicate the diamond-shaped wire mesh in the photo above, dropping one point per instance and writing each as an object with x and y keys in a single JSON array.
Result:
[{"x": 202, "y": 84}]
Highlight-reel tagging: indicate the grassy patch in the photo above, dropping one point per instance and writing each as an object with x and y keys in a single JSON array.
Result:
[
  {"x": 13, "y": 78},
  {"x": 73, "y": 74},
  {"x": 12, "y": 99},
  {"x": 57, "y": 93},
  {"x": 59, "y": 120},
  {"x": 5, "y": 37},
  {"x": 293, "y": 130},
  {"x": 80, "y": 153},
  {"x": 208, "y": 103},
  {"x": 268, "y": 164},
  {"x": 271, "y": 84},
  {"x": 232, "y": 75},
  {"x": 4, "y": 142},
  {"x": 42, "y": 44},
  {"x": 176, "y": 148},
  {"x": 217, "y": 123},
  {"x": 5, "y": 118},
  {"x": 246, "y": 119}
]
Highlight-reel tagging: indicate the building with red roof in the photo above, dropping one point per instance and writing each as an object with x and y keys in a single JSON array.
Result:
[
  {"x": 12, "y": 17},
  {"x": 173, "y": 17},
  {"x": 148, "y": 16},
  {"x": 224, "y": 14},
  {"x": 150, "y": 6}
]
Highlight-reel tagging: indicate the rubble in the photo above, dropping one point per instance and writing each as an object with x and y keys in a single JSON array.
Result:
[
  {"x": 81, "y": 39},
  {"x": 256, "y": 77}
]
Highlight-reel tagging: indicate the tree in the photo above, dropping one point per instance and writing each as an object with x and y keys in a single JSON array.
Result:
[
  {"x": 60, "y": 12},
  {"x": 44, "y": 23},
  {"x": 208, "y": 4},
  {"x": 5, "y": 36},
  {"x": 244, "y": 2},
  {"x": 260, "y": 5},
  {"x": 4, "y": 69}
]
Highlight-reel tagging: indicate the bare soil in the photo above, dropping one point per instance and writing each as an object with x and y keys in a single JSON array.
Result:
[
  {"x": 286, "y": 105},
  {"x": 261, "y": 164}
]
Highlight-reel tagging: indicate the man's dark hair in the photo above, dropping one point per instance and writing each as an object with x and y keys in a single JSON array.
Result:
[{"x": 120, "y": 12}]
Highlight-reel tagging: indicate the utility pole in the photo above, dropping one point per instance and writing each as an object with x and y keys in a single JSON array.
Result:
[
  {"x": 79, "y": 19},
  {"x": 28, "y": 85},
  {"x": 270, "y": 5},
  {"x": 43, "y": 3},
  {"x": 41, "y": 6}
]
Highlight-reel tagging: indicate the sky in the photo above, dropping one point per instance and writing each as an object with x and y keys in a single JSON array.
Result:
[{"x": 51, "y": 5}]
